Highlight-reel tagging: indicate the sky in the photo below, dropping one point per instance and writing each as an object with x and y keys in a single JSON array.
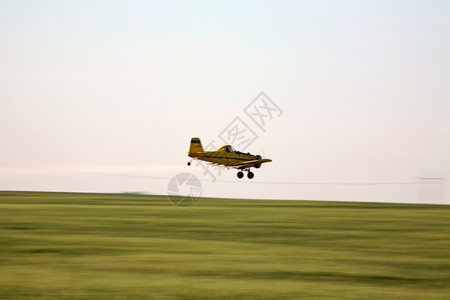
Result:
[{"x": 104, "y": 96}]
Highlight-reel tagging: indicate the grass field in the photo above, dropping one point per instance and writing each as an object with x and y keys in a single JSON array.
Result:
[{"x": 116, "y": 246}]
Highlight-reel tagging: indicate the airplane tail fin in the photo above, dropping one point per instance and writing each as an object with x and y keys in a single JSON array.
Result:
[{"x": 196, "y": 146}]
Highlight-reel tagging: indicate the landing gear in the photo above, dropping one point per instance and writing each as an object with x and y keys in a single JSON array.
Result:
[
  {"x": 189, "y": 163},
  {"x": 250, "y": 174}
]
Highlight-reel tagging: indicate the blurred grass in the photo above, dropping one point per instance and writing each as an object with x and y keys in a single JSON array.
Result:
[{"x": 118, "y": 246}]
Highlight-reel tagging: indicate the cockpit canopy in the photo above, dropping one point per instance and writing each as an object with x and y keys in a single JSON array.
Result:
[{"x": 227, "y": 148}]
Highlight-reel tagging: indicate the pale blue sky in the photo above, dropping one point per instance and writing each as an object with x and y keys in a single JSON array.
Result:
[{"x": 120, "y": 87}]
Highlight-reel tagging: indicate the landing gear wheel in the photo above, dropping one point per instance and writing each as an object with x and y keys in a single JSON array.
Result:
[
  {"x": 240, "y": 174},
  {"x": 189, "y": 163},
  {"x": 250, "y": 175}
]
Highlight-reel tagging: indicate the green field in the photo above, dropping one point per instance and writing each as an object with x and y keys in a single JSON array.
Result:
[{"x": 117, "y": 246}]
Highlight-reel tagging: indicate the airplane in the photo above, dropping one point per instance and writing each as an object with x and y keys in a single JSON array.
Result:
[{"x": 226, "y": 156}]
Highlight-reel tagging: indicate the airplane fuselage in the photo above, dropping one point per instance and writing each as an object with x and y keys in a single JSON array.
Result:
[
  {"x": 225, "y": 158},
  {"x": 228, "y": 157}
]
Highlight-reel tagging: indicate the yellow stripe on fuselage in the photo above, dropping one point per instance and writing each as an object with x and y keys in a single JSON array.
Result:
[{"x": 225, "y": 158}]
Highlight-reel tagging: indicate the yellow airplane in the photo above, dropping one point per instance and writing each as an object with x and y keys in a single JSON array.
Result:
[{"x": 227, "y": 157}]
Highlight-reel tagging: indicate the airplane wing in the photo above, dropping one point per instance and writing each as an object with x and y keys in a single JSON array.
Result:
[{"x": 250, "y": 163}]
